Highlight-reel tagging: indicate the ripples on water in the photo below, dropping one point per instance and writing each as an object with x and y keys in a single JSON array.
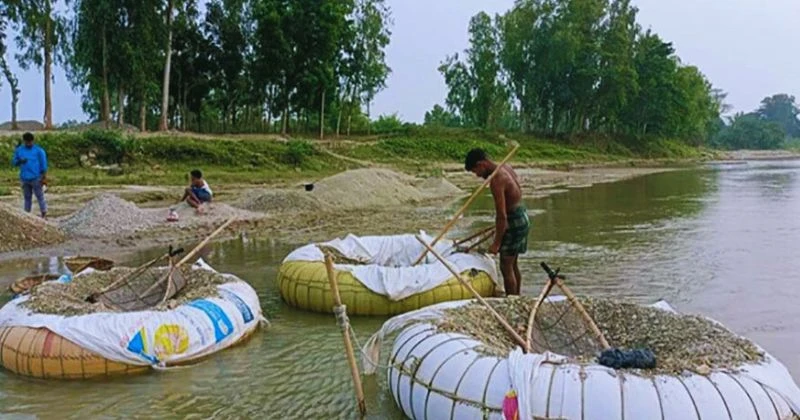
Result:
[{"x": 719, "y": 241}]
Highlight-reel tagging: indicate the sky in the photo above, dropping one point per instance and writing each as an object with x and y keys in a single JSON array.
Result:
[{"x": 748, "y": 48}]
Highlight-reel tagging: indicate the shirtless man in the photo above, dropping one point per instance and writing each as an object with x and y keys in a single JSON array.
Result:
[{"x": 511, "y": 221}]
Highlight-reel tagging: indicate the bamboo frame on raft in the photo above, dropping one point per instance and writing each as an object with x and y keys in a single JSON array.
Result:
[
  {"x": 348, "y": 345},
  {"x": 463, "y": 208},
  {"x": 466, "y": 284},
  {"x": 573, "y": 300}
]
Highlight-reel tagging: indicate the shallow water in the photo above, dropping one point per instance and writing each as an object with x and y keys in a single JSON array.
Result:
[{"x": 718, "y": 241}]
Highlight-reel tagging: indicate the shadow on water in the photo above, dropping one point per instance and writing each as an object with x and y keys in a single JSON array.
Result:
[{"x": 720, "y": 241}]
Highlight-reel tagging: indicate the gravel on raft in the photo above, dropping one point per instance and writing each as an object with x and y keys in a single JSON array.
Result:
[
  {"x": 69, "y": 299},
  {"x": 680, "y": 342}
]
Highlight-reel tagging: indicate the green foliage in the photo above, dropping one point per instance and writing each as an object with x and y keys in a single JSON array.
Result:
[
  {"x": 387, "y": 124},
  {"x": 567, "y": 67},
  {"x": 750, "y": 131},
  {"x": 297, "y": 152},
  {"x": 782, "y": 110}
]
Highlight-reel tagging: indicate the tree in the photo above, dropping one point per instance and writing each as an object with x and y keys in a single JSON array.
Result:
[
  {"x": 782, "y": 110},
  {"x": 8, "y": 12},
  {"x": 440, "y": 117},
  {"x": 41, "y": 32},
  {"x": 94, "y": 29},
  {"x": 750, "y": 131},
  {"x": 163, "y": 125}
]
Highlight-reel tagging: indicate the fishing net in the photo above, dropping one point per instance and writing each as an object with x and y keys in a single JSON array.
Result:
[
  {"x": 141, "y": 289},
  {"x": 677, "y": 342}
]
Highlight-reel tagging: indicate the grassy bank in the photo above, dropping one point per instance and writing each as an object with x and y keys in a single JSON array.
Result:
[{"x": 111, "y": 157}]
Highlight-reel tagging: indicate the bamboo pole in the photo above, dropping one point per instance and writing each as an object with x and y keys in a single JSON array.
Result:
[
  {"x": 463, "y": 208},
  {"x": 348, "y": 346},
  {"x": 196, "y": 249},
  {"x": 480, "y": 298},
  {"x": 484, "y": 239},
  {"x": 474, "y": 235},
  {"x": 574, "y": 301},
  {"x": 539, "y": 300},
  {"x": 189, "y": 256}
]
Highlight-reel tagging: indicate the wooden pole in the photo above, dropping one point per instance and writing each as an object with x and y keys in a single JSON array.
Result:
[
  {"x": 348, "y": 346},
  {"x": 539, "y": 300},
  {"x": 480, "y": 298},
  {"x": 473, "y": 236},
  {"x": 463, "y": 208},
  {"x": 574, "y": 301},
  {"x": 484, "y": 239},
  {"x": 205, "y": 241},
  {"x": 188, "y": 256}
]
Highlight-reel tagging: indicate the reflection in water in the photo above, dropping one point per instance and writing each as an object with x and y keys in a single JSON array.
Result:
[{"x": 719, "y": 241}]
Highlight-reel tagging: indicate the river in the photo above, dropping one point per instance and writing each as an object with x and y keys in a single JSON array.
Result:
[{"x": 716, "y": 240}]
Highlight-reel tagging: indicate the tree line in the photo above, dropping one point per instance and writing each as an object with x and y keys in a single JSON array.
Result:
[
  {"x": 568, "y": 67},
  {"x": 772, "y": 126},
  {"x": 242, "y": 65}
]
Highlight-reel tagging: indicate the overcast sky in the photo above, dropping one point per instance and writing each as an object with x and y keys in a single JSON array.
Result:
[{"x": 749, "y": 48}]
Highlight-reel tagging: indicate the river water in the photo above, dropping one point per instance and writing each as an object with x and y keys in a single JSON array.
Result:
[{"x": 718, "y": 240}]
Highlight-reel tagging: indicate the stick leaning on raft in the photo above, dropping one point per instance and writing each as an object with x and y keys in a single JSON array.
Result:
[
  {"x": 348, "y": 346},
  {"x": 503, "y": 322},
  {"x": 472, "y": 198}
]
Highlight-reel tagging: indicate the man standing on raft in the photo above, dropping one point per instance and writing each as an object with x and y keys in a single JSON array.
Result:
[{"x": 511, "y": 220}]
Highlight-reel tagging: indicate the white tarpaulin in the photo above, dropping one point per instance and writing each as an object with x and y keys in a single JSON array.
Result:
[
  {"x": 155, "y": 338},
  {"x": 387, "y": 261}
]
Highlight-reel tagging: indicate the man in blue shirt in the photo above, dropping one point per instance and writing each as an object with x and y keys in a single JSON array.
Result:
[{"x": 32, "y": 162}]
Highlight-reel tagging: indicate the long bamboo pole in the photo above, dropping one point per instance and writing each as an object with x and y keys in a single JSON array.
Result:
[
  {"x": 474, "y": 235},
  {"x": 189, "y": 256},
  {"x": 472, "y": 198},
  {"x": 480, "y": 298},
  {"x": 348, "y": 345}
]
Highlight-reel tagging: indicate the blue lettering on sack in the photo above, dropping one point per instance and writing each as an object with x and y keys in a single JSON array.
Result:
[
  {"x": 247, "y": 314},
  {"x": 222, "y": 324}
]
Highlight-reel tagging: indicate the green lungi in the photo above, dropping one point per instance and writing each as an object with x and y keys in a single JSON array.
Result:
[{"x": 515, "y": 239}]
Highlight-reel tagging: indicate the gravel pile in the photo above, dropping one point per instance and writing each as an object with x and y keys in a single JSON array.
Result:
[
  {"x": 69, "y": 299},
  {"x": 366, "y": 188},
  {"x": 107, "y": 215},
  {"x": 279, "y": 201},
  {"x": 20, "y": 231},
  {"x": 680, "y": 342},
  {"x": 435, "y": 187}
]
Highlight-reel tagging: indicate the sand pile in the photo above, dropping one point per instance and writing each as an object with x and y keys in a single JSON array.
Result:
[
  {"x": 20, "y": 230},
  {"x": 680, "y": 342},
  {"x": 435, "y": 187},
  {"x": 279, "y": 201},
  {"x": 366, "y": 188},
  {"x": 107, "y": 215}
]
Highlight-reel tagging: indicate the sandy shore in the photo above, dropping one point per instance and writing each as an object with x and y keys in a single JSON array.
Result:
[{"x": 289, "y": 223}]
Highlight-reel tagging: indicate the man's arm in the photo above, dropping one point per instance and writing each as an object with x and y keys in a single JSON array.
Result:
[
  {"x": 501, "y": 219},
  {"x": 15, "y": 160}
]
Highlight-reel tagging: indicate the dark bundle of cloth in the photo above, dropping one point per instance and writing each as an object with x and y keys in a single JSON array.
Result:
[{"x": 628, "y": 359}]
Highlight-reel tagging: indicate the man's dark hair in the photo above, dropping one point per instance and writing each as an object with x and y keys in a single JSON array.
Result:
[
  {"x": 197, "y": 174},
  {"x": 27, "y": 136},
  {"x": 473, "y": 157}
]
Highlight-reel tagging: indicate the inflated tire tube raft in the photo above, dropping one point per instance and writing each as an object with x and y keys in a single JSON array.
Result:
[
  {"x": 378, "y": 279},
  {"x": 438, "y": 375},
  {"x": 109, "y": 344}
]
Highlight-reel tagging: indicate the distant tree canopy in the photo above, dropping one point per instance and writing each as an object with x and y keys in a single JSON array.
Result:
[
  {"x": 244, "y": 65},
  {"x": 564, "y": 67},
  {"x": 769, "y": 127}
]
